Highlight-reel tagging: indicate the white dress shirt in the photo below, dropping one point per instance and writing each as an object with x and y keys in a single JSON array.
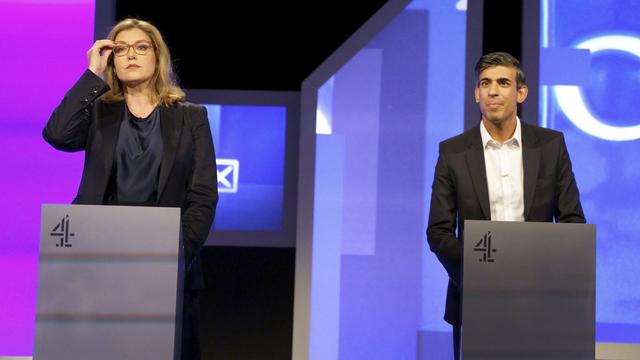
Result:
[{"x": 503, "y": 164}]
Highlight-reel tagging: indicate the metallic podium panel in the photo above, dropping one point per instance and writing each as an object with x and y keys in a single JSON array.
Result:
[
  {"x": 528, "y": 291},
  {"x": 109, "y": 283}
]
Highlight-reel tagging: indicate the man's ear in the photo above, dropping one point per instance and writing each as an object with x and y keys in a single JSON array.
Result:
[
  {"x": 476, "y": 93},
  {"x": 523, "y": 91}
]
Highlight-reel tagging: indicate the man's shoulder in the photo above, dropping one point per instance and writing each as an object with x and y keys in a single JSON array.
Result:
[
  {"x": 461, "y": 141},
  {"x": 464, "y": 140},
  {"x": 543, "y": 135}
]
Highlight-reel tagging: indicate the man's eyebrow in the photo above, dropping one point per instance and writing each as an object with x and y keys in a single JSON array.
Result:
[{"x": 500, "y": 79}]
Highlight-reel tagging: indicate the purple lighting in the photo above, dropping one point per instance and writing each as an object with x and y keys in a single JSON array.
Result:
[{"x": 42, "y": 52}]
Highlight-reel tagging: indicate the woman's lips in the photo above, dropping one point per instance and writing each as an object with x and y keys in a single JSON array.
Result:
[{"x": 133, "y": 66}]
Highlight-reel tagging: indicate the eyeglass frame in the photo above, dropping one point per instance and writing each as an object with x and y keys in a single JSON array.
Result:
[{"x": 133, "y": 46}]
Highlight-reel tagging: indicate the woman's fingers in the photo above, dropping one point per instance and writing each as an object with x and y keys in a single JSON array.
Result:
[{"x": 98, "y": 55}]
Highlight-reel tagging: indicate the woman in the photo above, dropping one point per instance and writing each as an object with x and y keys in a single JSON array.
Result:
[{"x": 143, "y": 144}]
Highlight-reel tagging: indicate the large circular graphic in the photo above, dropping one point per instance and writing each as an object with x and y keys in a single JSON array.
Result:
[{"x": 571, "y": 101}]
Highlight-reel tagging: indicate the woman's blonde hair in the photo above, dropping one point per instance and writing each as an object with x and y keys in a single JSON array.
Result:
[{"x": 164, "y": 84}]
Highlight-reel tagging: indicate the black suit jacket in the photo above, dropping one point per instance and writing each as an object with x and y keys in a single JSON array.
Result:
[
  {"x": 460, "y": 192},
  {"x": 188, "y": 176}
]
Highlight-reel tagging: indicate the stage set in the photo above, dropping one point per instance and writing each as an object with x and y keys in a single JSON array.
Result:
[{"x": 325, "y": 170}]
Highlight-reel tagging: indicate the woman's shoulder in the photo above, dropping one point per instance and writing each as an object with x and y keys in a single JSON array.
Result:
[
  {"x": 190, "y": 109},
  {"x": 187, "y": 106},
  {"x": 193, "y": 114}
]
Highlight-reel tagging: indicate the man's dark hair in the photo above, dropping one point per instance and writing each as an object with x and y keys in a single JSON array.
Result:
[{"x": 501, "y": 59}]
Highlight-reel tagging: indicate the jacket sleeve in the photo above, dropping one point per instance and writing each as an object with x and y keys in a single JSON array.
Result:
[
  {"x": 202, "y": 188},
  {"x": 568, "y": 208},
  {"x": 443, "y": 214},
  {"x": 69, "y": 124}
]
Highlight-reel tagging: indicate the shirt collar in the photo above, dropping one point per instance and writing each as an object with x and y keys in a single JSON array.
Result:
[{"x": 487, "y": 140}]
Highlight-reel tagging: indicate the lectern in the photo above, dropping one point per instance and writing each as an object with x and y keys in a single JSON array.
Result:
[
  {"x": 109, "y": 283},
  {"x": 528, "y": 291}
]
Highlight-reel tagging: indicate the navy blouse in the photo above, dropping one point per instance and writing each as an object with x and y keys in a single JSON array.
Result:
[{"x": 137, "y": 159}]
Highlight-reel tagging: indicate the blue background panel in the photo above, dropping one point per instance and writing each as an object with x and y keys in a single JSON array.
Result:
[{"x": 254, "y": 137}]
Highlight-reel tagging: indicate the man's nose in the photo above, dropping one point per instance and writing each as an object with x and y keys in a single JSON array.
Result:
[{"x": 493, "y": 89}]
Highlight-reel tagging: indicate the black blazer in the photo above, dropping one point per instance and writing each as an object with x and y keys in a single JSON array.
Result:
[
  {"x": 460, "y": 192},
  {"x": 188, "y": 176}
]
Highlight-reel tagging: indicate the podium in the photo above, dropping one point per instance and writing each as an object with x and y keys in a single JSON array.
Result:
[
  {"x": 528, "y": 291},
  {"x": 109, "y": 283}
]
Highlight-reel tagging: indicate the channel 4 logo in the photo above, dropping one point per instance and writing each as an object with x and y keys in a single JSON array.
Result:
[
  {"x": 228, "y": 174},
  {"x": 62, "y": 232},
  {"x": 484, "y": 246}
]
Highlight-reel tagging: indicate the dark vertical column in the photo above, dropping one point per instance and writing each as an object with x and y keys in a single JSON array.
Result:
[
  {"x": 475, "y": 20},
  {"x": 501, "y": 23},
  {"x": 502, "y": 28},
  {"x": 105, "y": 17},
  {"x": 531, "y": 59}
]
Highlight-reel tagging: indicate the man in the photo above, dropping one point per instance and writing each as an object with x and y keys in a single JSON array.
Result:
[{"x": 502, "y": 169}]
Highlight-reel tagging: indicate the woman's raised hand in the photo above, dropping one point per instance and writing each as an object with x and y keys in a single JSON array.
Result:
[{"x": 98, "y": 56}]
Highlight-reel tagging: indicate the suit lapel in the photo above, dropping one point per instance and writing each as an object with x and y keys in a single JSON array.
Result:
[
  {"x": 111, "y": 120},
  {"x": 474, "y": 157},
  {"x": 531, "y": 165},
  {"x": 171, "y": 127}
]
